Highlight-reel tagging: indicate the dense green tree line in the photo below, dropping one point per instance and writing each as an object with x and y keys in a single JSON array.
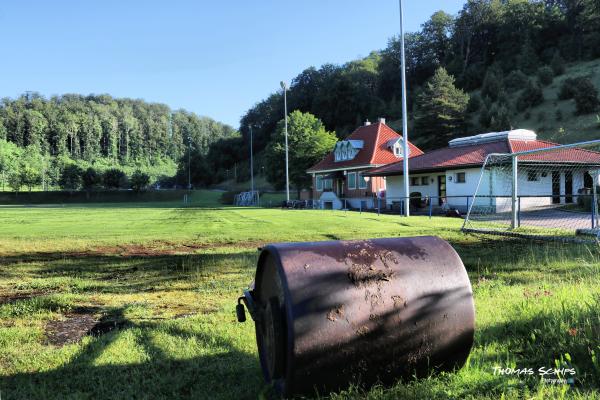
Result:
[
  {"x": 489, "y": 42},
  {"x": 45, "y": 135}
]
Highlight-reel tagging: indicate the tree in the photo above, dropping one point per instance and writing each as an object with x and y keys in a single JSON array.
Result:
[
  {"x": 308, "y": 143},
  {"x": 492, "y": 83},
  {"x": 545, "y": 75},
  {"x": 441, "y": 110},
  {"x": 557, "y": 64},
  {"x": 114, "y": 178},
  {"x": 15, "y": 181},
  {"x": 139, "y": 180},
  {"x": 91, "y": 179},
  {"x": 586, "y": 97},
  {"x": 516, "y": 80},
  {"x": 531, "y": 96},
  {"x": 70, "y": 177}
]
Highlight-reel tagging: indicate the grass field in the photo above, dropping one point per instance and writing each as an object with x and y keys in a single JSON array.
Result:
[{"x": 137, "y": 301}]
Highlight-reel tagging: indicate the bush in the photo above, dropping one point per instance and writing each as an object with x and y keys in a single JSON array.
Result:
[
  {"x": 531, "y": 96},
  {"x": 559, "y": 115},
  {"x": 114, "y": 178},
  {"x": 569, "y": 87},
  {"x": 70, "y": 177},
  {"x": 228, "y": 198},
  {"x": 515, "y": 80},
  {"x": 557, "y": 64},
  {"x": 91, "y": 179},
  {"x": 586, "y": 97},
  {"x": 139, "y": 180},
  {"x": 545, "y": 75}
]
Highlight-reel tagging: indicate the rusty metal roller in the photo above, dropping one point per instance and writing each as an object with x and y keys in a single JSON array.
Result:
[{"x": 328, "y": 314}]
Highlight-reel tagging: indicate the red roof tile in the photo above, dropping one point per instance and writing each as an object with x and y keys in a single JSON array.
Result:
[
  {"x": 374, "y": 152},
  {"x": 474, "y": 155}
]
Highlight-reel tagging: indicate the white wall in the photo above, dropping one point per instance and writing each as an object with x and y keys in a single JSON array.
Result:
[
  {"x": 395, "y": 187},
  {"x": 495, "y": 182}
]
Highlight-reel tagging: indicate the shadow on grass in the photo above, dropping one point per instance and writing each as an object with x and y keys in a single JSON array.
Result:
[
  {"x": 126, "y": 274},
  {"x": 226, "y": 373}
]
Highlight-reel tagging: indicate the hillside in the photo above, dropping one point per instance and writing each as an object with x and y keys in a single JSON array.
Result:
[{"x": 571, "y": 128}]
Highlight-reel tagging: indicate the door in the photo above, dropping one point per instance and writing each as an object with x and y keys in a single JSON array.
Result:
[
  {"x": 568, "y": 187},
  {"x": 555, "y": 187},
  {"x": 441, "y": 189}
]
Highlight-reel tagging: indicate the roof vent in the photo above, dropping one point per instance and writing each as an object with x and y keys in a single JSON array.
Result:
[
  {"x": 381, "y": 120},
  {"x": 517, "y": 134},
  {"x": 367, "y": 123}
]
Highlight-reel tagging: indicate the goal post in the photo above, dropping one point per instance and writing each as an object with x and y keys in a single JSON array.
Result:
[{"x": 549, "y": 192}]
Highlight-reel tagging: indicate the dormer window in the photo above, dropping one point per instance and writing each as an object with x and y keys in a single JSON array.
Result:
[
  {"x": 395, "y": 146},
  {"x": 347, "y": 149}
]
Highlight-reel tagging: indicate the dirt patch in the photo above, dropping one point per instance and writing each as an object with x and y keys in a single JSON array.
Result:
[
  {"x": 336, "y": 313},
  {"x": 165, "y": 248},
  {"x": 72, "y": 328},
  {"x": 361, "y": 274},
  {"x": 9, "y": 298}
]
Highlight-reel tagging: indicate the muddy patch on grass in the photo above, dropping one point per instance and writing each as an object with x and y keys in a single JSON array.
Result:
[
  {"x": 72, "y": 327},
  {"x": 10, "y": 298}
]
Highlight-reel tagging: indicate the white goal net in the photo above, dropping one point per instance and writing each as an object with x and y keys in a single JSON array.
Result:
[
  {"x": 549, "y": 192},
  {"x": 246, "y": 199}
]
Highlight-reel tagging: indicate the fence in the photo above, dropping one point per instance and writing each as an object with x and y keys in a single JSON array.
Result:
[{"x": 549, "y": 193}]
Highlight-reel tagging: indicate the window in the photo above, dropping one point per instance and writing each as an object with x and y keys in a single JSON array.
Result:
[
  {"x": 461, "y": 177},
  {"x": 425, "y": 180},
  {"x": 415, "y": 181},
  {"x": 362, "y": 182},
  {"x": 319, "y": 181},
  {"x": 351, "y": 180},
  {"x": 327, "y": 184},
  {"x": 532, "y": 176}
]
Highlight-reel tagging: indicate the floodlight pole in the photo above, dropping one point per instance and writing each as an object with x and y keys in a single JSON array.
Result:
[
  {"x": 287, "y": 173},
  {"x": 189, "y": 167},
  {"x": 405, "y": 150},
  {"x": 251, "y": 161}
]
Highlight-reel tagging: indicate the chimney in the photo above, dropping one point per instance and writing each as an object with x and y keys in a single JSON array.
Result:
[
  {"x": 381, "y": 120},
  {"x": 367, "y": 123}
]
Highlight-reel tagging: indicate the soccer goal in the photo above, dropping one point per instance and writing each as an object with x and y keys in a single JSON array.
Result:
[
  {"x": 550, "y": 192},
  {"x": 247, "y": 199}
]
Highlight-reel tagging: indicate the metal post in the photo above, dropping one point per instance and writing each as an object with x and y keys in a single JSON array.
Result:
[
  {"x": 514, "y": 205},
  {"x": 378, "y": 205},
  {"x": 467, "y": 203},
  {"x": 519, "y": 213},
  {"x": 189, "y": 167},
  {"x": 594, "y": 200},
  {"x": 430, "y": 207},
  {"x": 405, "y": 154},
  {"x": 251, "y": 162},
  {"x": 287, "y": 173}
]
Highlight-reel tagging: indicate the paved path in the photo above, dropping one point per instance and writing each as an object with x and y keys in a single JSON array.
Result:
[{"x": 556, "y": 218}]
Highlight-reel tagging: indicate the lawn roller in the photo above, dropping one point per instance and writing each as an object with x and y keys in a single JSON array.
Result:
[{"x": 328, "y": 314}]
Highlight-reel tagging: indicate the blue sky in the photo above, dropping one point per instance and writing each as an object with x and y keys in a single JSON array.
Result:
[{"x": 215, "y": 58}]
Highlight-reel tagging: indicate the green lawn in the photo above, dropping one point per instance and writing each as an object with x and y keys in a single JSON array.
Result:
[{"x": 157, "y": 285}]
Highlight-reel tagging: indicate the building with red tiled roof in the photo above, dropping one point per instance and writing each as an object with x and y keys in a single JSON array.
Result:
[
  {"x": 449, "y": 176},
  {"x": 339, "y": 179}
]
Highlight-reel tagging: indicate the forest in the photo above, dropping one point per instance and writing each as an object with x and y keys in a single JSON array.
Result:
[
  {"x": 495, "y": 65},
  {"x": 40, "y": 138},
  {"x": 501, "y": 53}
]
